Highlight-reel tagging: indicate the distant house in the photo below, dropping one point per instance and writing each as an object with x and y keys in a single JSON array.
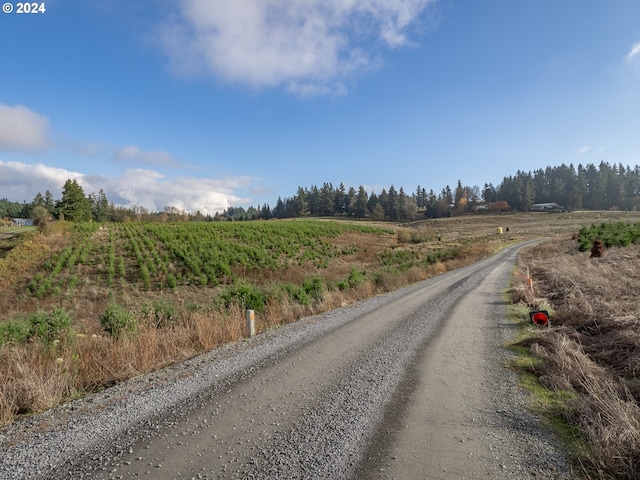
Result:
[
  {"x": 546, "y": 207},
  {"x": 22, "y": 222}
]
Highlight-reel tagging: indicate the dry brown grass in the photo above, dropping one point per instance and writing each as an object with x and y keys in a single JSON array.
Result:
[
  {"x": 593, "y": 347},
  {"x": 35, "y": 377}
]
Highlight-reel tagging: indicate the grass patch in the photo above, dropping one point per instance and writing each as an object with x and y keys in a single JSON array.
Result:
[
  {"x": 552, "y": 406},
  {"x": 583, "y": 374}
]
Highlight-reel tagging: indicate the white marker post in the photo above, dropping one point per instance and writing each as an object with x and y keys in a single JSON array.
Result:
[{"x": 251, "y": 324}]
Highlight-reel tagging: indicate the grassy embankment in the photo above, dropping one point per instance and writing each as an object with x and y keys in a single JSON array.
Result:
[
  {"x": 84, "y": 306},
  {"x": 585, "y": 368}
]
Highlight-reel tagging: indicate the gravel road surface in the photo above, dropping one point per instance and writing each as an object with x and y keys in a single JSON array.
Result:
[{"x": 407, "y": 385}]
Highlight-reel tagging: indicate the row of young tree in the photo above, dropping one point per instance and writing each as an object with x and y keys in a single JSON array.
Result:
[{"x": 594, "y": 188}]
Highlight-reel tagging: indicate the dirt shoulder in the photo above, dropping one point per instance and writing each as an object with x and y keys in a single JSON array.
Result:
[{"x": 464, "y": 415}]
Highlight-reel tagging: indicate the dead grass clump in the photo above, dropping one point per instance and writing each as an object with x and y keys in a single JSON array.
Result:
[
  {"x": 415, "y": 274},
  {"x": 31, "y": 380},
  {"x": 602, "y": 407},
  {"x": 387, "y": 281},
  {"x": 437, "y": 268},
  {"x": 614, "y": 343}
]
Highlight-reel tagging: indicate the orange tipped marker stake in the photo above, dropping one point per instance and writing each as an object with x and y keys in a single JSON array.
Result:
[{"x": 540, "y": 318}]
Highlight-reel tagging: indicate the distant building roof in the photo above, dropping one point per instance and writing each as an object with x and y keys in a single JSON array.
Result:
[{"x": 547, "y": 205}]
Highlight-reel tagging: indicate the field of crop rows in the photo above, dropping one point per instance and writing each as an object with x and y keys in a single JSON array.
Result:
[{"x": 158, "y": 256}]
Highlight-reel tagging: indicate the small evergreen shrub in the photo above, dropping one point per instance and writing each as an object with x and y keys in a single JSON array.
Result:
[
  {"x": 118, "y": 321},
  {"x": 245, "y": 295}
]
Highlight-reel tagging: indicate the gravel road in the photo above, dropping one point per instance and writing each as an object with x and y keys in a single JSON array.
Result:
[{"x": 407, "y": 385}]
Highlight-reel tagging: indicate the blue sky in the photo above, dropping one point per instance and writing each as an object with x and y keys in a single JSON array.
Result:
[{"x": 205, "y": 104}]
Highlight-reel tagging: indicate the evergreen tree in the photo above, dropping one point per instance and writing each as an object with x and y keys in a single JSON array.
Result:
[
  {"x": 351, "y": 201},
  {"x": 361, "y": 202},
  {"x": 279, "y": 211},
  {"x": 340, "y": 200},
  {"x": 313, "y": 200},
  {"x": 73, "y": 205},
  {"x": 372, "y": 201},
  {"x": 49, "y": 202},
  {"x": 431, "y": 208},
  {"x": 99, "y": 206},
  {"x": 300, "y": 207},
  {"x": 327, "y": 195},
  {"x": 489, "y": 193}
]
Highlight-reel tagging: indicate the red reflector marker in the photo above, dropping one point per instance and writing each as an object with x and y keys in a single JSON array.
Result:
[{"x": 540, "y": 318}]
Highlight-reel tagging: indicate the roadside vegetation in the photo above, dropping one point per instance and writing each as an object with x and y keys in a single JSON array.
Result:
[
  {"x": 585, "y": 368},
  {"x": 87, "y": 305}
]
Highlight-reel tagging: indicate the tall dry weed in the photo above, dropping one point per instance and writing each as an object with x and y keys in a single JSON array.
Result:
[
  {"x": 32, "y": 380},
  {"x": 592, "y": 348}
]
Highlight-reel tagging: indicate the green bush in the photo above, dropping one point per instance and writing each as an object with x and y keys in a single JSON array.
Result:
[
  {"x": 14, "y": 331},
  {"x": 118, "y": 321},
  {"x": 49, "y": 326},
  {"x": 356, "y": 277},
  {"x": 619, "y": 234},
  {"x": 297, "y": 293},
  {"x": 245, "y": 295},
  {"x": 314, "y": 287},
  {"x": 46, "y": 326}
]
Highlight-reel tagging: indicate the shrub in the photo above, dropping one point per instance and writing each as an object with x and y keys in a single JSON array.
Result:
[
  {"x": 356, "y": 277},
  {"x": 118, "y": 321},
  {"x": 161, "y": 313},
  {"x": 245, "y": 295},
  {"x": 314, "y": 287},
  {"x": 14, "y": 331},
  {"x": 297, "y": 293},
  {"x": 49, "y": 326}
]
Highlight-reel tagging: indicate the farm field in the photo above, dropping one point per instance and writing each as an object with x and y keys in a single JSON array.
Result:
[
  {"x": 87, "y": 305},
  {"x": 83, "y": 267}
]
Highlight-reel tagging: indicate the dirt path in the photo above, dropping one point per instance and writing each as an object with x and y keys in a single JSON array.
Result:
[
  {"x": 408, "y": 385},
  {"x": 463, "y": 416}
]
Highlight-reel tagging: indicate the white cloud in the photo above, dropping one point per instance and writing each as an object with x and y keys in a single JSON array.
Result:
[
  {"x": 584, "y": 150},
  {"x": 22, "y": 129},
  {"x": 634, "y": 53},
  {"x": 310, "y": 47},
  {"x": 21, "y": 181},
  {"x": 154, "y": 191},
  {"x": 147, "y": 188},
  {"x": 133, "y": 154}
]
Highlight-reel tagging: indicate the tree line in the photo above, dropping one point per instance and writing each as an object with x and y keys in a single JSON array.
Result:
[
  {"x": 604, "y": 187},
  {"x": 73, "y": 206}
]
